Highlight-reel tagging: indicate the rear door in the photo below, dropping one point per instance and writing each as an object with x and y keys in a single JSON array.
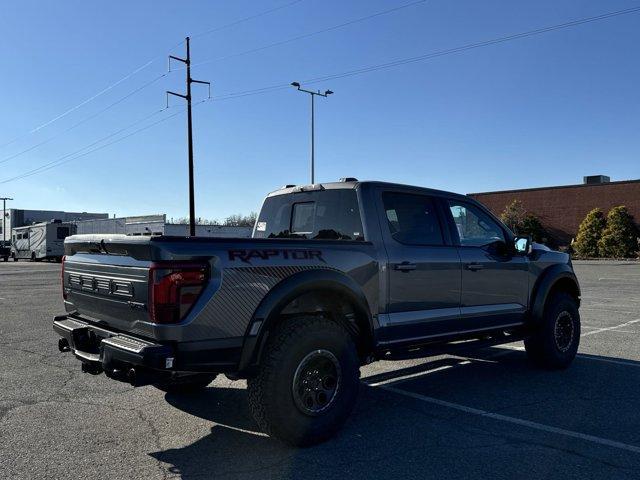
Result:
[
  {"x": 494, "y": 277},
  {"x": 423, "y": 268}
]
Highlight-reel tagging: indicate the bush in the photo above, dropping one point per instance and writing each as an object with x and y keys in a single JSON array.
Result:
[
  {"x": 589, "y": 233},
  {"x": 531, "y": 225},
  {"x": 522, "y": 222},
  {"x": 620, "y": 237}
]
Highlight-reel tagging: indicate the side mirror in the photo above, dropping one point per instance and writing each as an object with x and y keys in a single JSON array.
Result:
[{"x": 523, "y": 245}]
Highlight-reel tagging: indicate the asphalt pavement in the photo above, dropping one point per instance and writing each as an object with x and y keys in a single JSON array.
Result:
[{"x": 487, "y": 414}]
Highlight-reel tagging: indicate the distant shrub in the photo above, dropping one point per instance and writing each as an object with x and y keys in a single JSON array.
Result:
[
  {"x": 620, "y": 237},
  {"x": 589, "y": 233},
  {"x": 531, "y": 225},
  {"x": 521, "y": 222}
]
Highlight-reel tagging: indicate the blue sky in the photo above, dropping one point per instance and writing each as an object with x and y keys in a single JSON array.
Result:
[{"x": 543, "y": 110}]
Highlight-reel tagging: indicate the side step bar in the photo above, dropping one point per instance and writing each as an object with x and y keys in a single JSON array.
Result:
[{"x": 432, "y": 350}]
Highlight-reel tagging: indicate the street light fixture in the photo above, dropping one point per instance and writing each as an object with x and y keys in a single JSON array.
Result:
[{"x": 312, "y": 94}]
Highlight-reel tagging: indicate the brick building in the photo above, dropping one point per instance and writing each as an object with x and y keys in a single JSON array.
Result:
[{"x": 562, "y": 208}]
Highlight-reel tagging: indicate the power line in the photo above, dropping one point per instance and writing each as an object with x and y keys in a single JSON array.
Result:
[
  {"x": 245, "y": 19},
  {"x": 428, "y": 56},
  {"x": 472, "y": 46},
  {"x": 81, "y": 104},
  {"x": 59, "y": 160},
  {"x": 84, "y": 120},
  {"x": 283, "y": 42},
  {"x": 272, "y": 88},
  {"x": 135, "y": 71},
  {"x": 311, "y": 34}
]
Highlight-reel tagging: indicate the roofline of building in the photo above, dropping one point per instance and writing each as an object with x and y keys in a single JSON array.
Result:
[{"x": 557, "y": 187}]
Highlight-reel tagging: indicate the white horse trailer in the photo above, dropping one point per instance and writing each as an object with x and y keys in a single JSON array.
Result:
[{"x": 41, "y": 240}]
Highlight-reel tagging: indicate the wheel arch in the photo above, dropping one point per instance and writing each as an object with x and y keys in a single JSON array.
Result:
[
  {"x": 558, "y": 278},
  {"x": 329, "y": 288}
]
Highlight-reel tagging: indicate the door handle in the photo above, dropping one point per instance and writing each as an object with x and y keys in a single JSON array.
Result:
[
  {"x": 474, "y": 266},
  {"x": 404, "y": 266}
]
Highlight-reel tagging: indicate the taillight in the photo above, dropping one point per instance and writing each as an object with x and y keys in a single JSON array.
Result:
[
  {"x": 174, "y": 288},
  {"x": 64, "y": 294}
]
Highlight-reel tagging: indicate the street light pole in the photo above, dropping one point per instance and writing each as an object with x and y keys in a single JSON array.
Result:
[
  {"x": 4, "y": 219},
  {"x": 313, "y": 94}
]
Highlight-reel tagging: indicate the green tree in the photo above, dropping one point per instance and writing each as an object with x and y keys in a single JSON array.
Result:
[
  {"x": 521, "y": 222},
  {"x": 620, "y": 237},
  {"x": 513, "y": 215},
  {"x": 531, "y": 225},
  {"x": 589, "y": 234}
]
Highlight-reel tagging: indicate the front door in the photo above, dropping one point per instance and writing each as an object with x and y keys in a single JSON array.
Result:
[
  {"x": 494, "y": 277},
  {"x": 423, "y": 269}
]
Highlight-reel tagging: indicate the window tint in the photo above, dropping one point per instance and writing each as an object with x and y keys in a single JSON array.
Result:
[
  {"x": 475, "y": 228},
  {"x": 303, "y": 218},
  {"x": 322, "y": 215},
  {"x": 25, "y": 235},
  {"x": 63, "y": 232},
  {"x": 412, "y": 219}
]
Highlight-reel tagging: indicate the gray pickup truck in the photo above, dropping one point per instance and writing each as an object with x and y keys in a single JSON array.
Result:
[{"x": 337, "y": 275}]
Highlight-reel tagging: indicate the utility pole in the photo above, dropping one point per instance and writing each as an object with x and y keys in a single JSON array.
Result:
[
  {"x": 187, "y": 97},
  {"x": 4, "y": 219},
  {"x": 313, "y": 94}
]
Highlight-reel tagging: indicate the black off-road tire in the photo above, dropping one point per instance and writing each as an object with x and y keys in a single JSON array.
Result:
[
  {"x": 187, "y": 385},
  {"x": 555, "y": 342},
  {"x": 275, "y": 393}
]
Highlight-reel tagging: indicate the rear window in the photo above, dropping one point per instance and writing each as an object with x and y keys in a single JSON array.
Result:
[
  {"x": 319, "y": 215},
  {"x": 63, "y": 232}
]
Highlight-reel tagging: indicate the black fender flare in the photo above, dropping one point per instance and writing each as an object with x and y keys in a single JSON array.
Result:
[
  {"x": 287, "y": 290},
  {"x": 545, "y": 284}
]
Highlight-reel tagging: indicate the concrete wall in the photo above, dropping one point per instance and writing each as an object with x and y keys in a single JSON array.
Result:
[{"x": 561, "y": 209}]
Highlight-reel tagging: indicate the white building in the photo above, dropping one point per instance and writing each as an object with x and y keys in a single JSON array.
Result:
[{"x": 15, "y": 217}]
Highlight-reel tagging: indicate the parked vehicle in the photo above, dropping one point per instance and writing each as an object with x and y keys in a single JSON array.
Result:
[
  {"x": 5, "y": 250},
  {"x": 336, "y": 275},
  {"x": 40, "y": 241}
]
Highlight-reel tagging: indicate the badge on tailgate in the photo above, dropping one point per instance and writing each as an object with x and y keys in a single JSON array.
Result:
[{"x": 105, "y": 286}]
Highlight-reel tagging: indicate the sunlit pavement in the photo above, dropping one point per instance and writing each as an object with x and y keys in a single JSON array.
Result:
[{"x": 486, "y": 414}]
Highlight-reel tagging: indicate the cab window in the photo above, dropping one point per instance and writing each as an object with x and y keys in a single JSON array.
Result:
[
  {"x": 412, "y": 219},
  {"x": 474, "y": 227}
]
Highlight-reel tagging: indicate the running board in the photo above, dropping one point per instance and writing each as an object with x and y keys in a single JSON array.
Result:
[{"x": 435, "y": 349}]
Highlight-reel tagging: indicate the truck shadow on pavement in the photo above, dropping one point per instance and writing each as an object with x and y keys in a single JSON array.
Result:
[{"x": 393, "y": 435}]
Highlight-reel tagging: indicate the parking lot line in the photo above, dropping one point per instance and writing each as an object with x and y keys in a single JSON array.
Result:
[
  {"x": 517, "y": 421},
  {"x": 606, "y": 329},
  {"x": 404, "y": 378}
]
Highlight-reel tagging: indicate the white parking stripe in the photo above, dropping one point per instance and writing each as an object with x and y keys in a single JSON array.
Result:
[
  {"x": 394, "y": 380},
  {"x": 516, "y": 421},
  {"x": 606, "y": 329},
  {"x": 506, "y": 349}
]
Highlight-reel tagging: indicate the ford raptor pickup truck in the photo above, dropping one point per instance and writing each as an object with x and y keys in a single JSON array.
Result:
[{"x": 335, "y": 276}]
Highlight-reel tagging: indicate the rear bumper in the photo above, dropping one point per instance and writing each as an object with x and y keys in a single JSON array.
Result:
[
  {"x": 140, "y": 361},
  {"x": 119, "y": 356}
]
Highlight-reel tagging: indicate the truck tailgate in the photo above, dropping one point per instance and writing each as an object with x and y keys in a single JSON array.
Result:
[{"x": 105, "y": 279}]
